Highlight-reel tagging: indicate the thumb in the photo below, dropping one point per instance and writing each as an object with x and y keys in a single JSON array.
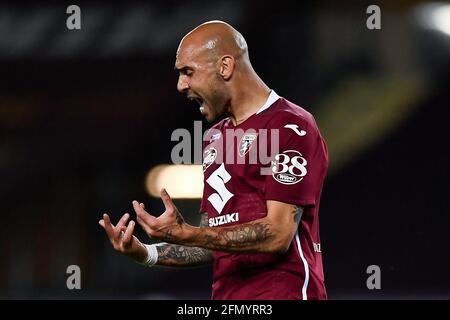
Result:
[{"x": 168, "y": 203}]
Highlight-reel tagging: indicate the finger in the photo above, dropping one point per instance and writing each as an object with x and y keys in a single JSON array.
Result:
[
  {"x": 139, "y": 209},
  {"x": 108, "y": 227},
  {"x": 123, "y": 220},
  {"x": 142, "y": 205},
  {"x": 102, "y": 223},
  {"x": 168, "y": 203},
  {"x": 129, "y": 232},
  {"x": 143, "y": 216}
]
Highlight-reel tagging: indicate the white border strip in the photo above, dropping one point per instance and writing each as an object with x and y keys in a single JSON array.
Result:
[
  {"x": 305, "y": 264},
  {"x": 270, "y": 101}
]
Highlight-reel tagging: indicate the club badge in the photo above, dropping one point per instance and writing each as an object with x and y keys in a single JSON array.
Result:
[
  {"x": 208, "y": 158},
  {"x": 246, "y": 143}
]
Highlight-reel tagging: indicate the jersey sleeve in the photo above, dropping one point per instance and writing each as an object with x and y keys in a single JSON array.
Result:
[
  {"x": 298, "y": 168},
  {"x": 203, "y": 201},
  {"x": 207, "y": 139}
]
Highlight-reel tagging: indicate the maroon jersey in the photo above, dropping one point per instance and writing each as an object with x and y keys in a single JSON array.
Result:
[{"x": 276, "y": 154}]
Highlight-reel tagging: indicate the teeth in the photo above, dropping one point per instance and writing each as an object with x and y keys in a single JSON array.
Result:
[{"x": 197, "y": 99}]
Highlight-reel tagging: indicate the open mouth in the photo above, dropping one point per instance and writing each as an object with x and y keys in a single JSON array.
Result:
[{"x": 200, "y": 102}]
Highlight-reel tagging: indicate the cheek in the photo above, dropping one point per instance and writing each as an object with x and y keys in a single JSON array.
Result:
[{"x": 218, "y": 89}]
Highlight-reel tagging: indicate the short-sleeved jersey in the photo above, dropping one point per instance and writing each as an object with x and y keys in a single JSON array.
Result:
[{"x": 276, "y": 154}]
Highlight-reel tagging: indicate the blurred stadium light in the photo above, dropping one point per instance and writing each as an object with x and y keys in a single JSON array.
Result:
[
  {"x": 435, "y": 16},
  {"x": 181, "y": 181}
]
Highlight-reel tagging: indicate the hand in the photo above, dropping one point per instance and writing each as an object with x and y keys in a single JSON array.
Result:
[
  {"x": 167, "y": 227},
  {"x": 122, "y": 238}
]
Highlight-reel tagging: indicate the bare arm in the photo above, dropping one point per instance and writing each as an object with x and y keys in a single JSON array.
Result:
[
  {"x": 122, "y": 239},
  {"x": 182, "y": 256},
  {"x": 272, "y": 233}
]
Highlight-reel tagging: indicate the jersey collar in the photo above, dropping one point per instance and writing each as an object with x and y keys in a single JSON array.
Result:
[{"x": 270, "y": 100}]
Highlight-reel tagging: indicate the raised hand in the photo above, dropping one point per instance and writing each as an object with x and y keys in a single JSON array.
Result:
[
  {"x": 167, "y": 227},
  {"x": 122, "y": 238}
]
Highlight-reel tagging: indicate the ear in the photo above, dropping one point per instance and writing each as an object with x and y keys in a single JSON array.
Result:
[{"x": 226, "y": 68}]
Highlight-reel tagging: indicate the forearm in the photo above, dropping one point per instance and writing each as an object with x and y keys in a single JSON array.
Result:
[
  {"x": 271, "y": 234},
  {"x": 181, "y": 256},
  {"x": 256, "y": 236},
  {"x": 172, "y": 255}
]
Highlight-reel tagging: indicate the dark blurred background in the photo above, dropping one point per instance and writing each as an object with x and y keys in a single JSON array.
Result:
[{"x": 85, "y": 114}]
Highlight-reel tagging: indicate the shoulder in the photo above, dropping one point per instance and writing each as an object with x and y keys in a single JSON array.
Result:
[
  {"x": 215, "y": 131},
  {"x": 219, "y": 125},
  {"x": 297, "y": 130},
  {"x": 286, "y": 114}
]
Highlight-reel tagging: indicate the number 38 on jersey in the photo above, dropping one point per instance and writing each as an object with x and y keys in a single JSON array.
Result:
[{"x": 289, "y": 167}]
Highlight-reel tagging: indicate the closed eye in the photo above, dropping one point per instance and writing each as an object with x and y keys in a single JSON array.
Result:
[{"x": 186, "y": 71}]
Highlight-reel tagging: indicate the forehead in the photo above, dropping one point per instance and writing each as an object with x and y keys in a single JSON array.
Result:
[{"x": 189, "y": 54}]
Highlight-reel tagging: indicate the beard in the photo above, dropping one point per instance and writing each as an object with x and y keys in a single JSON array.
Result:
[{"x": 215, "y": 103}]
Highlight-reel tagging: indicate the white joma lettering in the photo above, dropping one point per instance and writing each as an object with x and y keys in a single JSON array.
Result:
[
  {"x": 317, "y": 247},
  {"x": 217, "y": 221}
]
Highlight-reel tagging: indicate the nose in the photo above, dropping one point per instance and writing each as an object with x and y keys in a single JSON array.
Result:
[{"x": 182, "y": 84}]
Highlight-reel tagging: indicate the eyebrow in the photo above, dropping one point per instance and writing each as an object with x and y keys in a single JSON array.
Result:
[{"x": 183, "y": 69}]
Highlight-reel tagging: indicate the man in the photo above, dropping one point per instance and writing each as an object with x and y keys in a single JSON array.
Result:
[{"x": 259, "y": 228}]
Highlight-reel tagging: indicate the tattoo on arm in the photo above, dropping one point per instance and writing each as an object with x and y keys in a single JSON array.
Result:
[
  {"x": 204, "y": 219},
  {"x": 168, "y": 236},
  {"x": 175, "y": 255},
  {"x": 179, "y": 256},
  {"x": 179, "y": 218},
  {"x": 246, "y": 236}
]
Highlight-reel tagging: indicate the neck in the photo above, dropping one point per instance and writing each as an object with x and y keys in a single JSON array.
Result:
[{"x": 250, "y": 94}]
